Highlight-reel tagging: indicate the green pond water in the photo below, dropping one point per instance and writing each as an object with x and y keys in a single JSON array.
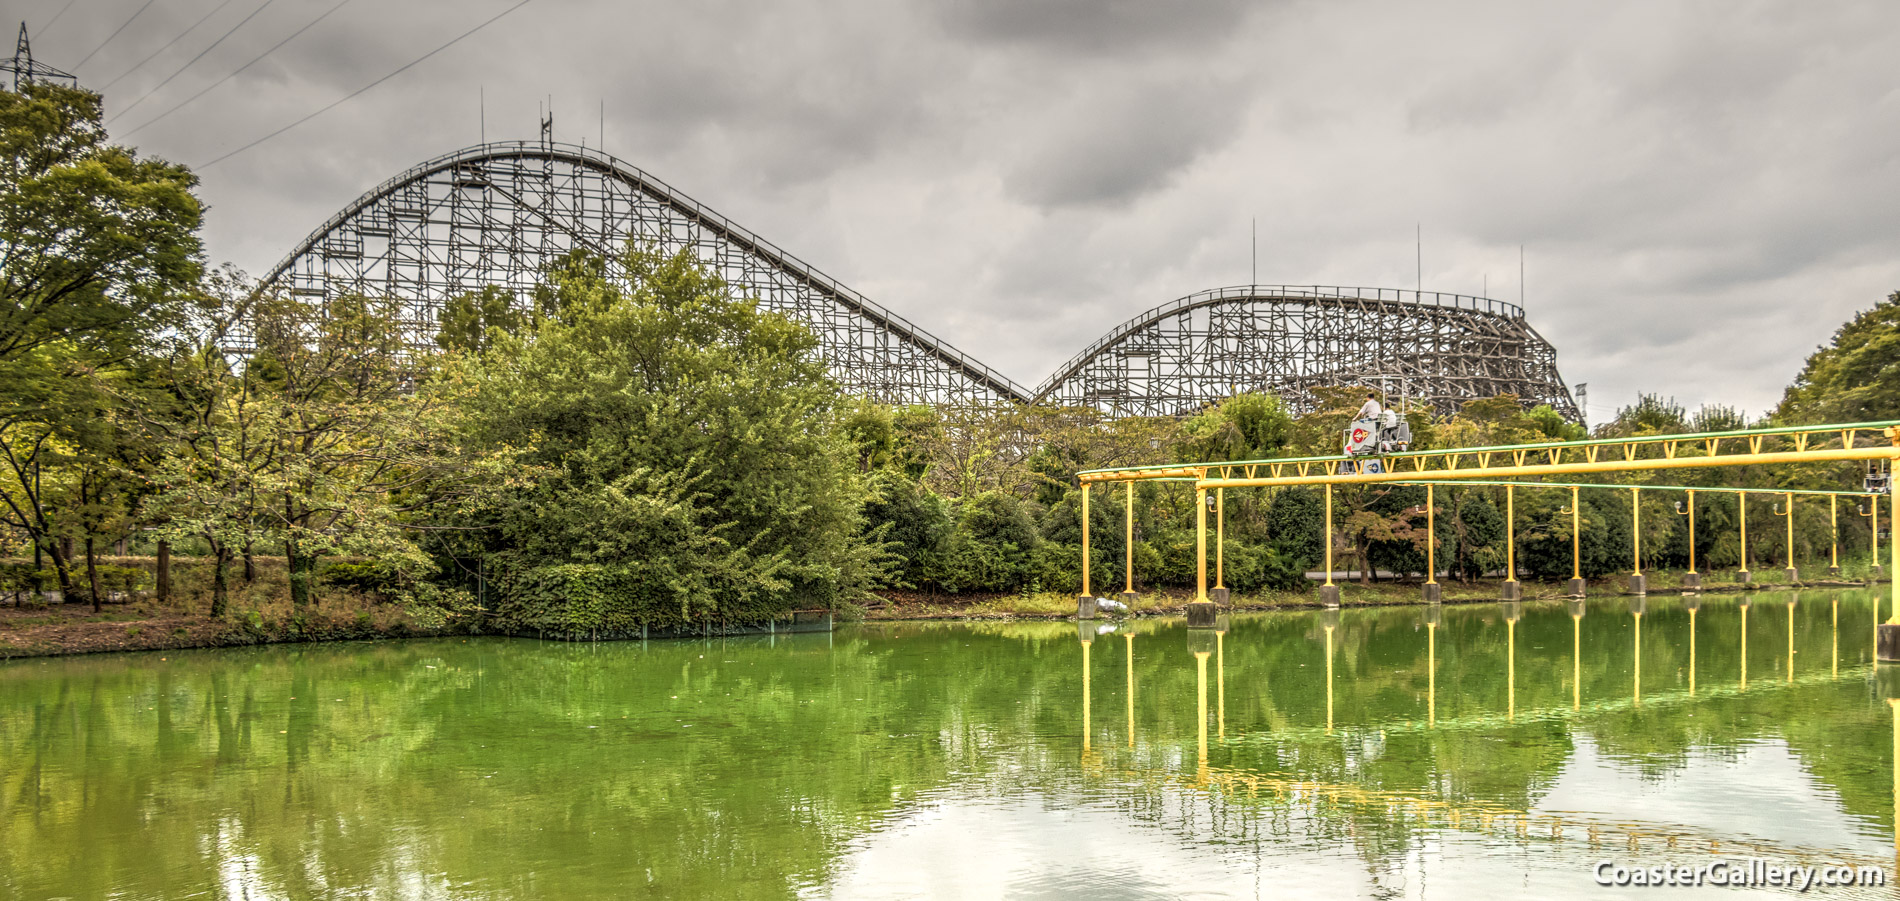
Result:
[{"x": 1377, "y": 753}]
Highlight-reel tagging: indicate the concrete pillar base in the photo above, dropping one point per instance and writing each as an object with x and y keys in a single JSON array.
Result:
[
  {"x": 1639, "y": 584},
  {"x": 1877, "y": 572},
  {"x": 1432, "y": 593},
  {"x": 1329, "y": 595},
  {"x": 1575, "y": 589},
  {"x": 1692, "y": 581},
  {"x": 1128, "y": 597},
  {"x": 1833, "y": 570},
  {"x": 1200, "y": 614},
  {"x": 1744, "y": 577},
  {"x": 1794, "y": 575},
  {"x": 1218, "y": 595},
  {"x": 1511, "y": 590},
  {"x": 1085, "y": 607},
  {"x": 1887, "y": 643}
]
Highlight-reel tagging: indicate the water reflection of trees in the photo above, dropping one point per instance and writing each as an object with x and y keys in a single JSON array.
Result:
[{"x": 747, "y": 767}]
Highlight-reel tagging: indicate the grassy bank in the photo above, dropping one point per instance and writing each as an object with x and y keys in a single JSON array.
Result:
[{"x": 260, "y": 612}]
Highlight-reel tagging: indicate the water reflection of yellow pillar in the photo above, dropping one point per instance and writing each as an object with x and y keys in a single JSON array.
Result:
[
  {"x": 1511, "y": 671},
  {"x": 1432, "y": 615},
  {"x": 1692, "y": 612},
  {"x": 1791, "y": 638},
  {"x": 1576, "y": 656},
  {"x": 1745, "y": 606},
  {"x": 1200, "y": 694},
  {"x": 1834, "y": 642},
  {"x": 1513, "y": 611},
  {"x": 1130, "y": 638},
  {"x": 1220, "y": 680},
  {"x": 1329, "y": 678},
  {"x": 1086, "y": 728},
  {"x": 1636, "y": 611},
  {"x": 1894, "y": 705}
]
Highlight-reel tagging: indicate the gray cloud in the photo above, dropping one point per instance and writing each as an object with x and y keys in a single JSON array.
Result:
[{"x": 1704, "y": 190}]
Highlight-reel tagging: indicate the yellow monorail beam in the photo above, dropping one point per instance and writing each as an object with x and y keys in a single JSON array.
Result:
[{"x": 1558, "y": 469}]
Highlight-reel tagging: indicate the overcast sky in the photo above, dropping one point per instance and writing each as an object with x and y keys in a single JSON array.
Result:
[{"x": 1704, "y": 191}]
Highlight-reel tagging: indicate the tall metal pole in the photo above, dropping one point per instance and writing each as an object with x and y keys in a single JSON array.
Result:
[
  {"x": 1576, "y": 537},
  {"x": 1128, "y": 542},
  {"x": 1895, "y": 545},
  {"x": 1431, "y": 536},
  {"x": 1742, "y": 503},
  {"x": 1636, "y": 529},
  {"x": 1789, "y": 500},
  {"x": 1329, "y": 537},
  {"x": 1834, "y": 536},
  {"x": 1220, "y": 537},
  {"x": 1085, "y": 541},
  {"x": 1692, "y": 532},
  {"x": 1200, "y": 548},
  {"x": 1510, "y": 533}
]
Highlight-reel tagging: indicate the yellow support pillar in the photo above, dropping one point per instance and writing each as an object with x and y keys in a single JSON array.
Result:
[
  {"x": 1085, "y": 602},
  {"x": 1128, "y": 547},
  {"x": 1794, "y": 575},
  {"x": 1895, "y": 592},
  {"x": 1329, "y": 593},
  {"x": 1691, "y": 580},
  {"x": 1576, "y": 589},
  {"x": 1639, "y": 585},
  {"x": 1512, "y": 589},
  {"x": 1431, "y": 544},
  {"x": 1200, "y": 545},
  {"x": 1873, "y": 526},
  {"x": 1742, "y": 506},
  {"x": 1220, "y": 544},
  {"x": 1834, "y": 536}
]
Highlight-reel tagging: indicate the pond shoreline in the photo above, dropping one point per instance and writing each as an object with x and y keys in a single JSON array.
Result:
[{"x": 72, "y": 629}]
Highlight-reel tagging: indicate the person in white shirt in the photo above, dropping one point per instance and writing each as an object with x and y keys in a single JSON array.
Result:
[{"x": 1370, "y": 409}]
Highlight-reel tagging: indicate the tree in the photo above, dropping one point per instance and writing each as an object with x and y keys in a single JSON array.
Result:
[
  {"x": 467, "y": 320},
  {"x": 96, "y": 245},
  {"x": 1855, "y": 378},
  {"x": 97, "y": 252},
  {"x": 694, "y": 465}
]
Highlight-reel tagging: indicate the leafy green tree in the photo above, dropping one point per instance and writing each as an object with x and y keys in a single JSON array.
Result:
[
  {"x": 688, "y": 449},
  {"x": 468, "y": 319},
  {"x": 1855, "y": 378},
  {"x": 96, "y": 245}
]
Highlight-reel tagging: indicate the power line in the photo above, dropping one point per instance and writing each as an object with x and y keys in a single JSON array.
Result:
[
  {"x": 56, "y": 16},
  {"x": 234, "y": 72},
  {"x": 114, "y": 34},
  {"x": 353, "y": 94},
  {"x": 201, "y": 55},
  {"x": 168, "y": 46}
]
